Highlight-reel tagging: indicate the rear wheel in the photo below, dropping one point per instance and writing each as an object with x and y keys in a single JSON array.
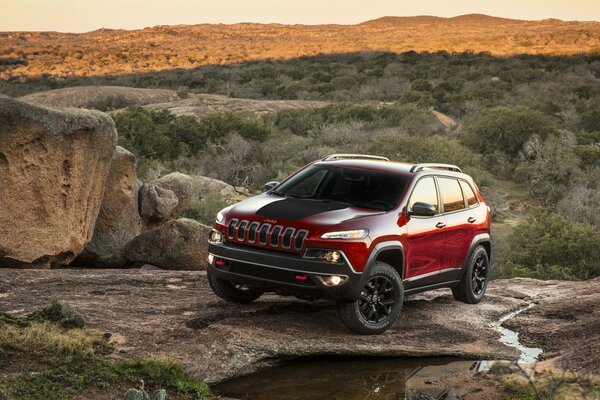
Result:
[
  {"x": 379, "y": 304},
  {"x": 231, "y": 291},
  {"x": 471, "y": 288}
]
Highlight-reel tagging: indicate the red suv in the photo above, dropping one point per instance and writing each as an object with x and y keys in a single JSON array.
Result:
[{"x": 360, "y": 230}]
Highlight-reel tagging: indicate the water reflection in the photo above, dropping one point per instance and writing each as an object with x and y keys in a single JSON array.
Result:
[{"x": 373, "y": 379}]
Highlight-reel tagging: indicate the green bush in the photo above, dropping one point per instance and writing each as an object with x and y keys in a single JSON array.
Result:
[
  {"x": 505, "y": 129},
  {"x": 415, "y": 149},
  {"x": 205, "y": 210},
  {"x": 546, "y": 245}
]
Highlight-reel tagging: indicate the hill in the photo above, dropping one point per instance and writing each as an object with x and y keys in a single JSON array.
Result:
[{"x": 34, "y": 55}]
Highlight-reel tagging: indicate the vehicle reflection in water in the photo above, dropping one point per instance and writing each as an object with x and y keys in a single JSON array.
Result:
[{"x": 351, "y": 379}]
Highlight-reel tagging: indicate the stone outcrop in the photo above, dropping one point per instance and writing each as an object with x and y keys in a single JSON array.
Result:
[
  {"x": 53, "y": 169},
  {"x": 119, "y": 220},
  {"x": 203, "y": 186},
  {"x": 156, "y": 204},
  {"x": 181, "y": 185},
  {"x": 180, "y": 244},
  {"x": 165, "y": 199}
]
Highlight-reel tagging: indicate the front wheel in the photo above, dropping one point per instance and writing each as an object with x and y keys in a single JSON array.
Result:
[
  {"x": 232, "y": 292},
  {"x": 379, "y": 304},
  {"x": 473, "y": 284}
]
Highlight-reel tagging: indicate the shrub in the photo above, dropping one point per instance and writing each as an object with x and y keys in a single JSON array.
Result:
[
  {"x": 546, "y": 245},
  {"x": 415, "y": 149},
  {"x": 219, "y": 125},
  {"x": 205, "y": 210},
  {"x": 505, "y": 129}
]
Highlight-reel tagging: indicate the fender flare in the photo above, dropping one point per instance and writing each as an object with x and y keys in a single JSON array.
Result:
[
  {"x": 477, "y": 240},
  {"x": 378, "y": 249}
]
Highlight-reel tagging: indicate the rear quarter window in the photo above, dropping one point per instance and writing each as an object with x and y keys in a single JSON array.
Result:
[
  {"x": 452, "y": 196},
  {"x": 469, "y": 194}
]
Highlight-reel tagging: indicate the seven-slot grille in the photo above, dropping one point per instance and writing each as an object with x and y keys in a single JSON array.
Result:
[{"x": 266, "y": 234}]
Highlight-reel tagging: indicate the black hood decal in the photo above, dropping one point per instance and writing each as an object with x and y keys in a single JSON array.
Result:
[{"x": 293, "y": 209}]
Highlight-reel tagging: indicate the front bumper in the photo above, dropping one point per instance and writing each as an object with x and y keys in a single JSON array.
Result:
[{"x": 278, "y": 272}]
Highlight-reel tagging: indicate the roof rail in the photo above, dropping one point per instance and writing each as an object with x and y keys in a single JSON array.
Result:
[
  {"x": 333, "y": 157},
  {"x": 423, "y": 166}
]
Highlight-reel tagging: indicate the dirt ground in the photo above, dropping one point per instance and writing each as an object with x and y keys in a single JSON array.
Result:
[{"x": 151, "y": 313}]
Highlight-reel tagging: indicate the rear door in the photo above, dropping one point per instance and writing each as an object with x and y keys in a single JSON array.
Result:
[
  {"x": 425, "y": 237},
  {"x": 460, "y": 227}
]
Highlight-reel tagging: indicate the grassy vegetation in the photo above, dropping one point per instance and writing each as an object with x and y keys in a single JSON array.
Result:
[
  {"x": 527, "y": 123},
  {"x": 44, "y": 358}
]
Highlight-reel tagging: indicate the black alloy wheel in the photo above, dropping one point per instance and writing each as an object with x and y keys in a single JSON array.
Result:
[
  {"x": 377, "y": 299},
  {"x": 473, "y": 284},
  {"x": 479, "y": 275},
  {"x": 379, "y": 304}
]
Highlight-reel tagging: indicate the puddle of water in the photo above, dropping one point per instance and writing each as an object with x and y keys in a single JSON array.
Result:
[
  {"x": 510, "y": 338},
  {"x": 368, "y": 379},
  {"x": 349, "y": 379}
]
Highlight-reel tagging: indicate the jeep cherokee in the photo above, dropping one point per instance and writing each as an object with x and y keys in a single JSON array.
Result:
[{"x": 357, "y": 229}]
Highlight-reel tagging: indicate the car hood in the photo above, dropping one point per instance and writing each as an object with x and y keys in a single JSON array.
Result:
[{"x": 295, "y": 212}]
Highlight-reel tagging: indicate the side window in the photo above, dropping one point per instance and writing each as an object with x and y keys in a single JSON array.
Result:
[
  {"x": 469, "y": 193},
  {"x": 452, "y": 196},
  {"x": 424, "y": 192}
]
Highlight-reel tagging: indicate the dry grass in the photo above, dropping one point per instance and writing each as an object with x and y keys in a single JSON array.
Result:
[
  {"x": 47, "y": 338},
  {"x": 27, "y": 55}
]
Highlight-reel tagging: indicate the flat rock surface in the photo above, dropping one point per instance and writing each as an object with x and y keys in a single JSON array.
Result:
[{"x": 175, "y": 313}]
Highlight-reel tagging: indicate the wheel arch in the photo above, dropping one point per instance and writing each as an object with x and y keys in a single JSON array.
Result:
[{"x": 391, "y": 253}]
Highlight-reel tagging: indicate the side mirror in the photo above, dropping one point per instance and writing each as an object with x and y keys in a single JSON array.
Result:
[
  {"x": 271, "y": 185},
  {"x": 421, "y": 209}
]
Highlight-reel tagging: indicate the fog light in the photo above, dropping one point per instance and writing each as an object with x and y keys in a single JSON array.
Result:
[
  {"x": 334, "y": 280},
  {"x": 215, "y": 237},
  {"x": 211, "y": 258},
  {"x": 330, "y": 256}
]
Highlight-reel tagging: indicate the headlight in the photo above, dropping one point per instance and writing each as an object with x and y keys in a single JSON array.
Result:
[
  {"x": 220, "y": 217},
  {"x": 355, "y": 234},
  {"x": 215, "y": 237}
]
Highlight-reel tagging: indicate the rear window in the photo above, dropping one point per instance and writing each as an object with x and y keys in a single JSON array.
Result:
[
  {"x": 452, "y": 196},
  {"x": 355, "y": 186},
  {"x": 469, "y": 193}
]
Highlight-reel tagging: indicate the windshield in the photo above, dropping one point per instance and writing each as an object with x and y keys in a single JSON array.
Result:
[{"x": 353, "y": 186}]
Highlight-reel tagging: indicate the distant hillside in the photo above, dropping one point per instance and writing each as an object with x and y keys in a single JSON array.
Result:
[{"x": 26, "y": 55}]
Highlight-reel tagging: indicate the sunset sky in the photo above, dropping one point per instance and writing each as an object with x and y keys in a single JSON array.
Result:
[{"x": 86, "y": 15}]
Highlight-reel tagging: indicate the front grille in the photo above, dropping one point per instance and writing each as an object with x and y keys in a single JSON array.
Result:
[{"x": 253, "y": 232}]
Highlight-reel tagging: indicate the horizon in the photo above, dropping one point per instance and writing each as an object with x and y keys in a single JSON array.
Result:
[{"x": 71, "y": 16}]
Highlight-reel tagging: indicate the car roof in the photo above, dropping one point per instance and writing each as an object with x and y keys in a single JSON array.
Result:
[{"x": 392, "y": 167}]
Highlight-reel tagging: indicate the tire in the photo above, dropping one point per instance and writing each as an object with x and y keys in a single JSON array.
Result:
[
  {"x": 232, "y": 292},
  {"x": 358, "y": 316},
  {"x": 473, "y": 284}
]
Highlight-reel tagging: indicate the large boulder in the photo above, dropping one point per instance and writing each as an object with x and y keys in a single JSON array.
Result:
[
  {"x": 165, "y": 198},
  {"x": 179, "y": 244},
  {"x": 203, "y": 186},
  {"x": 156, "y": 204},
  {"x": 181, "y": 185},
  {"x": 53, "y": 169},
  {"x": 119, "y": 220}
]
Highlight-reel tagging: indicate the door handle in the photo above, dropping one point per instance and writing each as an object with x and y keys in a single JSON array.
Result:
[
  {"x": 471, "y": 220},
  {"x": 440, "y": 225}
]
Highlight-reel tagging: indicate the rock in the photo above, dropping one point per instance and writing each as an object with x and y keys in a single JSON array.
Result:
[
  {"x": 119, "y": 220},
  {"x": 165, "y": 199},
  {"x": 149, "y": 267},
  {"x": 180, "y": 244},
  {"x": 156, "y": 204},
  {"x": 181, "y": 185},
  {"x": 53, "y": 169},
  {"x": 203, "y": 185}
]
